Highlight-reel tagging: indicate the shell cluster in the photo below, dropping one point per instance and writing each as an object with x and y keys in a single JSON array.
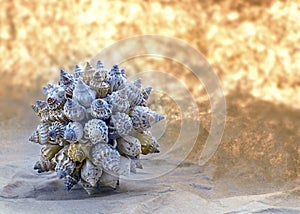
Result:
[{"x": 94, "y": 127}]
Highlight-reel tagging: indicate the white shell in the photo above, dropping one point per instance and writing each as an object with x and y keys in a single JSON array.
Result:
[
  {"x": 44, "y": 165},
  {"x": 96, "y": 131},
  {"x": 42, "y": 110},
  {"x": 74, "y": 111},
  {"x": 91, "y": 173},
  {"x": 41, "y": 135},
  {"x": 109, "y": 180},
  {"x": 73, "y": 132},
  {"x": 129, "y": 146},
  {"x": 116, "y": 78},
  {"x": 55, "y": 96},
  {"x": 135, "y": 93},
  {"x": 119, "y": 101},
  {"x": 64, "y": 165},
  {"x": 121, "y": 123},
  {"x": 83, "y": 94},
  {"x": 101, "y": 109},
  {"x": 66, "y": 81},
  {"x": 56, "y": 132}
]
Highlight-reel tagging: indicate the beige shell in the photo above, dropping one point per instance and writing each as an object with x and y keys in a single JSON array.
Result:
[
  {"x": 148, "y": 142},
  {"x": 49, "y": 151},
  {"x": 41, "y": 135},
  {"x": 97, "y": 84},
  {"x": 88, "y": 73},
  {"x": 109, "y": 180},
  {"x": 91, "y": 173},
  {"x": 76, "y": 152},
  {"x": 129, "y": 146}
]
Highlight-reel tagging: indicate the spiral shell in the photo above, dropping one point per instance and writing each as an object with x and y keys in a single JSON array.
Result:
[
  {"x": 88, "y": 73},
  {"x": 83, "y": 94},
  {"x": 91, "y": 173},
  {"x": 70, "y": 181},
  {"x": 88, "y": 187},
  {"x": 146, "y": 92},
  {"x": 41, "y": 109},
  {"x": 41, "y": 134},
  {"x": 78, "y": 73},
  {"x": 136, "y": 94},
  {"x": 55, "y": 96},
  {"x": 121, "y": 123},
  {"x": 129, "y": 146},
  {"x": 74, "y": 111},
  {"x": 97, "y": 82},
  {"x": 101, "y": 109},
  {"x": 119, "y": 101},
  {"x": 116, "y": 78},
  {"x": 64, "y": 165},
  {"x": 76, "y": 152},
  {"x": 148, "y": 142},
  {"x": 44, "y": 165},
  {"x": 96, "y": 130},
  {"x": 106, "y": 157},
  {"x": 73, "y": 132},
  {"x": 143, "y": 118},
  {"x": 66, "y": 81},
  {"x": 49, "y": 151},
  {"x": 56, "y": 132}
]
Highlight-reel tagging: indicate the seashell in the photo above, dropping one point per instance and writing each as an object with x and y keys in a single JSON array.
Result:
[
  {"x": 135, "y": 163},
  {"x": 121, "y": 123},
  {"x": 101, "y": 69},
  {"x": 88, "y": 187},
  {"x": 119, "y": 101},
  {"x": 44, "y": 165},
  {"x": 42, "y": 110},
  {"x": 125, "y": 165},
  {"x": 83, "y": 94},
  {"x": 73, "y": 132},
  {"x": 57, "y": 115},
  {"x": 76, "y": 152},
  {"x": 129, "y": 146},
  {"x": 41, "y": 134},
  {"x": 91, "y": 173},
  {"x": 67, "y": 82},
  {"x": 146, "y": 92},
  {"x": 49, "y": 151},
  {"x": 136, "y": 94},
  {"x": 55, "y": 96},
  {"x": 106, "y": 157},
  {"x": 148, "y": 143},
  {"x": 88, "y": 73},
  {"x": 64, "y": 165},
  {"x": 143, "y": 118},
  {"x": 96, "y": 130},
  {"x": 116, "y": 79},
  {"x": 78, "y": 73},
  {"x": 56, "y": 132},
  {"x": 101, "y": 109},
  {"x": 97, "y": 84},
  {"x": 74, "y": 111},
  {"x": 70, "y": 181},
  {"x": 109, "y": 180}
]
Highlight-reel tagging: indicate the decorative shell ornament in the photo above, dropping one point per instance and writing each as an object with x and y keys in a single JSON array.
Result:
[{"x": 94, "y": 127}]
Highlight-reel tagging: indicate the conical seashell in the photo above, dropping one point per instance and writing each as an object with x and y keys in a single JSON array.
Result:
[
  {"x": 64, "y": 165},
  {"x": 143, "y": 118},
  {"x": 135, "y": 93},
  {"x": 88, "y": 73},
  {"x": 146, "y": 92},
  {"x": 96, "y": 130},
  {"x": 44, "y": 165},
  {"x": 122, "y": 123},
  {"x": 101, "y": 109},
  {"x": 73, "y": 132},
  {"x": 66, "y": 81},
  {"x": 41, "y": 134},
  {"x": 78, "y": 72},
  {"x": 116, "y": 79},
  {"x": 70, "y": 181},
  {"x": 57, "y": 115},
  {"x": 49, "y": 151},
  {"x": 76, "y": 152},
  {"x": 106, "y": 157},
  {"x": 42, "y": 110},
  {"x": 88, "y": 187},
  {"x": 129, "y": 146},
  {"x": 101, "y": 69},
  {"x": 148, "y": 142},
  {"x": 97, "y": 84},
  {"x": 74, "y": 111},
  {"x": 83, "y": 94},
  {"x": 119, "y": 101},
  {"x": 56, "y": 132},
  {"x": 55, "y": 96},
  {"x": 91, "y": 173},
  {"x": 109, "y": 180}
]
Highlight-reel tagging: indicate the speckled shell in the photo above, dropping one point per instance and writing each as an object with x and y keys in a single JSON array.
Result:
[
  {"x": 88, "y": 187},
  {"x": 88, "y": 73},
  {"x": 66, "y": 81},
  {"x": 106, "y": 157},
  {"x": 122, "y": 123},
  {"x": 109, "y": 180},
  {"x": 41, "y": 109},
  {"x": 56, "y": 132},
  {"x": 57, "y": 115},
  {"x": 83, "y": 94},
  {"x": 70, "y": 181},
  {"x": 119, "y": 101},
  {"x": 73, "y": 132},
  {"x": 91, "y": 173},
  {"x": 97, "y": 84},
  {"x": 74, "y": 111},
  {"x": 55, "y": 96},
  {"x": 146, "y": 92},
  {"x": 41, "y": 134},
  {"x": 148, "y": 142},
  {"x": 64, "y": 165},
  {"x": 78, "y": 73},
  {"x": 116, "y": 79},
  {"x": 135, "y": 93},
  {"x": 49, "y": 151},
  {"x": 96, "y": 131},
  {"x": 129, "y": 145},
  {"x": 76, "y": 152},
  {"x": 143, "y": 118},
  {"x": 44, "y": 165},
  {"x": 101, "y": 109}
]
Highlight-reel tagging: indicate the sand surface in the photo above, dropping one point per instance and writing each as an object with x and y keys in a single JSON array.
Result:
[{"x": 229, "y": 183}]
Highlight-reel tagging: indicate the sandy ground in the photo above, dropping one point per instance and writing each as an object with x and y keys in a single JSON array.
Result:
[{"x": 227, "y": 184}]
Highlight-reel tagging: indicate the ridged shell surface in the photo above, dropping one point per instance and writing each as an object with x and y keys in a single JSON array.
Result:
[
  {"x": 73, "y": 132},
  {"x": 122, "y": 123},
  {"x": 96, "y": 131},
  {"x": 101, "y": 109},
  {"x": 91, "y": 173},
  {"x": 74, "y": 111},
  {"x": 83, "y": 94},
  {"x": 129, "y": 146}
]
